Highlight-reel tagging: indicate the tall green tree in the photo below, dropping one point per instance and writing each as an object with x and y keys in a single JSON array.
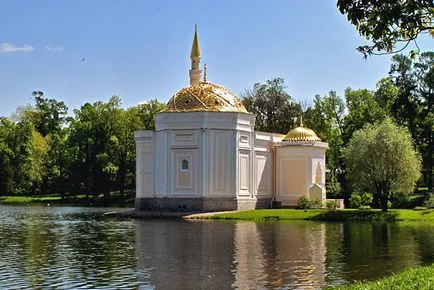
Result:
[
  {"x": 388, "y": 23},
  {"x": 49, "y": 114},
  {"x": 272, "y": 106},
  {"x": 413, "y": 105},
  {"x": 362, "y": 108},
  {"x": 146, "y": 112},
  {"x": 380, "y": 158}
]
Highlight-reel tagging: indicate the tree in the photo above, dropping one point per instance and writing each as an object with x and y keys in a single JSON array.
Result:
[
  {"x": 380, "y": 158},
  {"x": 363, "y": 109},
  {"x": 49, "y": 115},
  {"x": 412, "y": 106},
  {"x": 389, "y": 22},
  {"x": 146, "y": 112},
  {"x": 272, "y": 107}
]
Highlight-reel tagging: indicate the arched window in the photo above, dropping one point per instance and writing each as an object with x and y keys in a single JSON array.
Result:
[
  {"x": 318, "y": 175},
  {"x": 184, "y": 164}
]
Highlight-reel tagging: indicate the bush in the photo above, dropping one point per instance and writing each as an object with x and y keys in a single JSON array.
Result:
[
  {"x": 429, "y": 201},
  {"x": 420, "y": 208},
  {"x": 402, "y": 202},
  {"x": 365, "y": 207},
  {"x": 316, "y": 203},
  {"x": 357, "y": 200},
  {"x": 331, "y": 205},
  {"x": 304, "y": 203}
]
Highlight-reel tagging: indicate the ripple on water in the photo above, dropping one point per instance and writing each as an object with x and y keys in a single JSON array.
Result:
[{"x": 78, "y": 248}]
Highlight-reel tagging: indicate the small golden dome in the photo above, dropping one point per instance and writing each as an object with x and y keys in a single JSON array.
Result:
[
  {"x": 205, "y": 97},
  {"x": 301, "y": 134}
]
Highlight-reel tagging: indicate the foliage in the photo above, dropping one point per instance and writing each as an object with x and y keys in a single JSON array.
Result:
[
  {"x": 413, "y": 105},
  {"x": 146, "y": 112},
  {"x": 381, "y": 159},
  {"x": 363, "y": 109},
  {"x": 420, "y": 208},
  {"x": 402, "y": 202},
  {"x": 93, "y": 152},
  {"x": 331, "y": 205},
  {"x": 360, "y": 199},
  {"x": 429, "y": 201},
  {"x": 333, "y": 187},
  {"x": 316, "y": 203},
  {"x": 304, "y": 203},
  {"x": 417, "y": 278},
  {"x": 364, "y": 207},
  {"x": 388, "y": 23},
  {"x": 272, "y": 106}
]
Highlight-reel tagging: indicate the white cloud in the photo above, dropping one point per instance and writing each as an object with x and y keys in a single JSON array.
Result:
[
  {"x": 54, "y": 49},
  {"x": 9, "y": 47}
]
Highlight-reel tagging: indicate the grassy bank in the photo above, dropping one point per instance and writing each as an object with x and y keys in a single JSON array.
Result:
[
  {"x": 417, "y": 278},
  {"x": 318, "y": 214},
  {"x": 80, "y": 200}
]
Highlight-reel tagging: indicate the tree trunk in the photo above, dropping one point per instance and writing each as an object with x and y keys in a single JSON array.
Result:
[
  {"x": 384, "y": 201},
  {"x": 376, "y": 197},
  {"x": 384, "y": 196}
]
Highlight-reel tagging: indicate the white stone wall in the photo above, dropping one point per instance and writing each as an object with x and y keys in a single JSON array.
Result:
[
  {"x": 296, "y": 170},
  {"x": 144, "y": 163}
]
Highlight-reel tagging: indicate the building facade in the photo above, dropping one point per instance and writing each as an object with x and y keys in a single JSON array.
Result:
[{"x": 205, "y": 155}]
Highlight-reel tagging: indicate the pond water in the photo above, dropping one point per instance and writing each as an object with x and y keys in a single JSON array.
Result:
[{"x": 66, "y": 247}]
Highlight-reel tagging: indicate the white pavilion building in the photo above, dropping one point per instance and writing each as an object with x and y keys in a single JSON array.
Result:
[{"x": 205, "y": 155}]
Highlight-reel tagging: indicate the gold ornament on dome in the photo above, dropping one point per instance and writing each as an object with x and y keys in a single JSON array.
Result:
[
  {"x": 205, "y": 97},
  {"x": 301, "y": 134}
]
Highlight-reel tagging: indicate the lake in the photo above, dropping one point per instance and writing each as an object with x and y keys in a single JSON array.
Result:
[{"x": 71, "y": 247}]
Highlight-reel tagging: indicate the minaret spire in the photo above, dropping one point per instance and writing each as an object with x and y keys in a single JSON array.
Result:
[{"x": 195, "y": 71}]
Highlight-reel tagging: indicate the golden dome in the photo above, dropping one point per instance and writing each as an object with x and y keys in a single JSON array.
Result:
[
  {"x": 205, "y": 97},
  {"x": 301, "y": 134}
]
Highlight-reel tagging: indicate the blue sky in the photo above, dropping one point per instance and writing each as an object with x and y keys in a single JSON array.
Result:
[{"x": 139, "y": 50}]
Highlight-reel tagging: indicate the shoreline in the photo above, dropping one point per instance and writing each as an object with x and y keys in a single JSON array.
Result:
[{"x": 392, "y": 215}]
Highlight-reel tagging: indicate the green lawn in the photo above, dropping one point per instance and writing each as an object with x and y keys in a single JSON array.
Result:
[
  {"x": 28, "y": 199},
  {"x": 79, "y": 200},
  {"x": 318, "y": 214},
  {"x": 418, "y": 278}
]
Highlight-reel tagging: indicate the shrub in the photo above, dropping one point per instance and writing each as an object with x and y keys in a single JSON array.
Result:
[
  {"x": 357, "y": 200},
  {"x": 316, "y": 203},
  {"x": 331, "y": 205},
  {"x": 402, "y": 202},
  {"x": 365, "y": 207},
  {"x": 429, "y": 201},
  {"x": 420, "y": 208},
  {"x": 304, "y": 203}
]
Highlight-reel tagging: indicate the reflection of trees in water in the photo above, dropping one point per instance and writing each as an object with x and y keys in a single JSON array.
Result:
[
  {"x": 423, "y": 233},
  {"x": 176, "y": 254},
  {"x": 54, "y": 246},
  {"x": 373, "y": 250}
]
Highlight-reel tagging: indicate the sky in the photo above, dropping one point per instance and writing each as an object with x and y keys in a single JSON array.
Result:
[{"x": 85, "y": 51}]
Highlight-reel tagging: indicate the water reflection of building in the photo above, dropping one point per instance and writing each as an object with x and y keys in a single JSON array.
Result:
[
  {"x": 184, "y": 255},
  {"x": 221, "y": 255},
  {"x": 279, "y": 255}
]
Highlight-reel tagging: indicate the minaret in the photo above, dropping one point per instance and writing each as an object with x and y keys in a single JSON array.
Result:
[{"x": 195, "y": 72}]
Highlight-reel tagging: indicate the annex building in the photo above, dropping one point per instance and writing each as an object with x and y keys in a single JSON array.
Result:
[{"x": 205, "y": 155}]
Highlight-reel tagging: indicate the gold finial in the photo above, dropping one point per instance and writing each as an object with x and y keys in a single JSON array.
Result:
[
  {"x": 195, "y": 49},
  {"x": 204, "y": 73},
  {"x": 301, "y": 120}
]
